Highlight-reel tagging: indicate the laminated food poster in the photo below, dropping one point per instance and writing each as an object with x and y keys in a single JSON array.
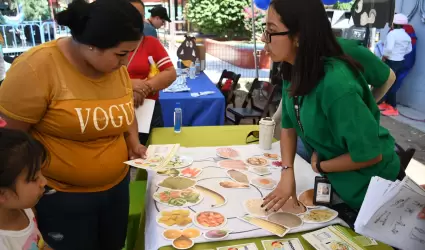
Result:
[{"x": 157, "y": 157}]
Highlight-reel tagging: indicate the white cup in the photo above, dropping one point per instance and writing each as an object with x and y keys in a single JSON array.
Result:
[{"x": 267, "y": 126}]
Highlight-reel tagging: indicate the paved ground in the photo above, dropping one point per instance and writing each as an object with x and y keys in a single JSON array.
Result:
[{"x": 406, "y": 136}]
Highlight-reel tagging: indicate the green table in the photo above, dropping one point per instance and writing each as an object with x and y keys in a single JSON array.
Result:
[
  {"x": 209, "y": 136},
  {"x": 219, "y": 136}
]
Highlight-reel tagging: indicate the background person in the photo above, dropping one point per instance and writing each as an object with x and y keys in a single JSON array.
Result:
[
  {"x": 331, "y": 108},
  {"x": 74, "y": 95},
  {"x": 157, "y": 19},
  {"x": 397, "y": 45},
  {"x": 139, "y": 69}
]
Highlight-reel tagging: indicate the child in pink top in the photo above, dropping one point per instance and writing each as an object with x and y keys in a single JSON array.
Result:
[{"x": 21, "y": 186}]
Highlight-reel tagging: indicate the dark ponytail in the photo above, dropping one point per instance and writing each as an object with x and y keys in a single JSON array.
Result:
[{"x": 103, "y": 23}]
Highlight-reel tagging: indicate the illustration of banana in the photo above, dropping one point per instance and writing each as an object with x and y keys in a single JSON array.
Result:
[
  {"x": 266, "y": 225},
  {"x": 219, "y": 199}
]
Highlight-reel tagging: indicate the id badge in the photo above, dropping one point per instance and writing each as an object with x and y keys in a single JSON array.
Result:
[{"x": 322, "y": 192}]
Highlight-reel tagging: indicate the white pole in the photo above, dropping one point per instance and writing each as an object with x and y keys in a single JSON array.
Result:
[{"x": 255, "y": 39}]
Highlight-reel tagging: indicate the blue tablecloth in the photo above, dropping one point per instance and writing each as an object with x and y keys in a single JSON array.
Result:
[{"x": 197, "y": 111}]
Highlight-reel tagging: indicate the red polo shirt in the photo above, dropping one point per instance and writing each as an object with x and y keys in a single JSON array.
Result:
[{"x": 139, "y": 67}]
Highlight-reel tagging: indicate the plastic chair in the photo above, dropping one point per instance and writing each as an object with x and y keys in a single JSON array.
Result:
[
  {"x": 229, "y": 95},
  {"x": 255, "y": 112}
]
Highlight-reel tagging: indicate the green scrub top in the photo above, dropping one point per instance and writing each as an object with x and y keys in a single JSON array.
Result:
[
  {"x": 376, "y": 72},
  {"x": 340, "y": 116}
]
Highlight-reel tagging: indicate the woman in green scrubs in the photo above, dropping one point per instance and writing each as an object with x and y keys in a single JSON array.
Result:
[{"x": 327, "y": 102}]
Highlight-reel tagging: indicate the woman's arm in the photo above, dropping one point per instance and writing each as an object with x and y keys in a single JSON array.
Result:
[
  {"x": 342, "y": 163},
  {"x": 352, "y": 123},
  {"x": 287, "y": 186},
  {"x": 288, "y": 146},
  {"x": 162, "y": 80},
  {"x": 379, "y": 93},
  {"x": 135, "y": 149},
  {"x": 278, "y": 114},
  {"x": 144, "y": 87}
]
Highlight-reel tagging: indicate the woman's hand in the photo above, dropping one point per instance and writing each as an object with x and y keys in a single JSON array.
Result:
[
  {"x": 284, "y": 190},
  {"x": 142, "y": 87},
  {"x": 314, "y": 159},
  {"x": 136, "y": 151},
  {"x": 421, "y": 214},
  {"x": 138, "y": 99}
]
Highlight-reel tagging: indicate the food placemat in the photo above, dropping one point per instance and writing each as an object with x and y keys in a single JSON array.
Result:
[{"x": 222, "y": 207}]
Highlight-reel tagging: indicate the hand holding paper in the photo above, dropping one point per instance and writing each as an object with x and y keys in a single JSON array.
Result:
[
  {"x": 390, "y": 213},
  {"x": 421, "y": 215}
]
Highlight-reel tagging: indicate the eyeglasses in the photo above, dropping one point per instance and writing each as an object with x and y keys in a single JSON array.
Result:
[
  {"x": 268, "y": 36},
  {"x": 255, "y": 134}
]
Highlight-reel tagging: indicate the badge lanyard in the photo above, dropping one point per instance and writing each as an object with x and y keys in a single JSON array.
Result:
[
  {"x": 297, "y": 107},
  {"x": 297, "y": 112}
]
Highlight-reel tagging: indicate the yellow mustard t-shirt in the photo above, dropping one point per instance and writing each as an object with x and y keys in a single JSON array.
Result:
[{"x": 81, "y": 121}]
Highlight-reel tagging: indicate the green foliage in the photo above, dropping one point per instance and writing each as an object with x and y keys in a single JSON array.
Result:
[
  {"x": 259, "y": 16},
  {"x": 36, "y": 10},
  {"x": 343, "y": 6},
  {"x": 219, "y": 17}
]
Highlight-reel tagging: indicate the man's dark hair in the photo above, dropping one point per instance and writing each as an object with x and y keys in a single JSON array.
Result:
[
  {"x": 19, "y": 151},
  {"x": 316, "y": 43},
  {"x": 103, "y": 23}
]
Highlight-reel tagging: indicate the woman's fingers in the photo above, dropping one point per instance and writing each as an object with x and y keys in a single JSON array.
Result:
[
  {"x": 279, "y": 204},
  {"x": 142, "y": 151},
  {"x": 268, "y": 198},
  {"x": 271, "y": 204}
]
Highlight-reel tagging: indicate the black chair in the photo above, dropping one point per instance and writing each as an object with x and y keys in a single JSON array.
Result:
[
  {"x": 229, "y": 95},
  {"x": 254, "y": 111},
  {"x": 405, "y": 158}
]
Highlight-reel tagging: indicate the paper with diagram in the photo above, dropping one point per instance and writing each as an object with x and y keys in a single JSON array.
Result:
[{"x": 389, "y": 213}]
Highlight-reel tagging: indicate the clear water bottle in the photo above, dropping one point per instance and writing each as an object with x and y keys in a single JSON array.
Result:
[
  {"x": 192, "y": 71},
  {"x": 178, "y": 118},
  {"x": 198, "y": 66},
  {"x": 179, "y": 69}
]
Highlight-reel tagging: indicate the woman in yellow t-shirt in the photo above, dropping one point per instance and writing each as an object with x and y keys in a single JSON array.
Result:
[{"x": 75, "y": 96}]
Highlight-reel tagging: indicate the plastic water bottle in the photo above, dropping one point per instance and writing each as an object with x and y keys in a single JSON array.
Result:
[
  {"x": 192, "y": 71},
  {"x": 179, "y": 67},
  {"x": 198, "y": 66},
  {"x": 178, "y": 118}
]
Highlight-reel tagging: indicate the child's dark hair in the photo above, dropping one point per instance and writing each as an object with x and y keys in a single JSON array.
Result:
[{"x": 18, "y": 150}]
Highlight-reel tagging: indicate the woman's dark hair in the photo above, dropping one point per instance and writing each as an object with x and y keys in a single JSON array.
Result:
[
  {"x": 19, "y": 151},
  {"x": 138, "y": 1},
  {"x": 103, "y": 23},
  {"x": 316, "y": 42}
]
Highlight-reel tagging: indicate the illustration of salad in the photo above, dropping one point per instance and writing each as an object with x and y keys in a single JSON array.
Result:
[
  {"x": 177, "y": 161},
  {"x": 178, "y": 198}
]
